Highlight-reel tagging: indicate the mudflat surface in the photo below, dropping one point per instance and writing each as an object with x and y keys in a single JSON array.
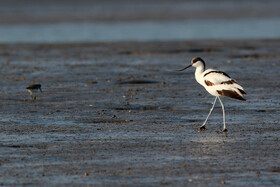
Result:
[{"x": 119, "y": 114}]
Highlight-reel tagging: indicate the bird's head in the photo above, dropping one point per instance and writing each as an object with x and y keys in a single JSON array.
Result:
[{"x": 196, "y": 62}]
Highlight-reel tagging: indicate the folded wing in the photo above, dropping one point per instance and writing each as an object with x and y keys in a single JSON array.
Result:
[{"x": 223, "y": 84}]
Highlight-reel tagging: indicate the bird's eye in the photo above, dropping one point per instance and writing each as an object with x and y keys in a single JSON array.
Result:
[{"x": 195, "y": 61}]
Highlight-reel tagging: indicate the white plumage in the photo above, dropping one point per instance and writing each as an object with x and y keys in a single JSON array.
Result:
[{"x": 217, "y": 83}]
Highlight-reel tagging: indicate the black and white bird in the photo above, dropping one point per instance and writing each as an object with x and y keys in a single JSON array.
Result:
[
  {"x": 217, "y": 83},
  {"x": 34, "y": 88}
]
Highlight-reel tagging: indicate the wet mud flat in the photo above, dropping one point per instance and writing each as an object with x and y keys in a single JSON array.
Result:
[{"x": 119, "y": 114}]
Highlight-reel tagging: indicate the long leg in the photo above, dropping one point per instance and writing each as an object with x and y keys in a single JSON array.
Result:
[
  {"x": 224, "y": 115},
  {"x": 203, "y": 125}
]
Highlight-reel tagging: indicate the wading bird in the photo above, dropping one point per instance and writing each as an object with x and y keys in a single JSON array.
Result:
[
  {"x": 217, "y": 83},
  {"x": 33, "y": 88}
]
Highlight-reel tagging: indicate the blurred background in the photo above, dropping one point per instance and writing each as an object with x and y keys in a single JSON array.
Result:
[{"x": 135, "y": 20}]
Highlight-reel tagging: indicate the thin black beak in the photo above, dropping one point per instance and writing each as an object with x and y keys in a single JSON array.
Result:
[
  {"x": 185, "y": 68},
  {"x": 41, "y": 90}
]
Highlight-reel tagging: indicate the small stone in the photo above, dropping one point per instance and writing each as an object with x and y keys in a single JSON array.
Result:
[
  {"x": 92, "y": 82},
  {"x": 223, "y": 182},
  {"x": 86, "y": 174}
]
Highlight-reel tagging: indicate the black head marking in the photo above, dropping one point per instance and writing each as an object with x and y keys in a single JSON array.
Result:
[{"x": 196, "y": 59}]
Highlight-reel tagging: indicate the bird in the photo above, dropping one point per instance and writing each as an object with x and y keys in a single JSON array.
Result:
[
  {"x": 218, "y": 84},
  {"x": 33, "y": 88}
]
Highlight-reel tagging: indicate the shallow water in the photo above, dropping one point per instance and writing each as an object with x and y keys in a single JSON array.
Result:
[
  {"x": 132, "y": 20},
  {"x": 141, "y": 31}
]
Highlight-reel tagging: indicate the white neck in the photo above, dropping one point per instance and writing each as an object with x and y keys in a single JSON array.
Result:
[{"x": 198, "y": 72}]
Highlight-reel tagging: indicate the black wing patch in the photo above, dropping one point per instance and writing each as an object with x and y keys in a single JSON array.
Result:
[
  {"x": 220, "y": 72},
  {"x": 242, "y": 91},
  {"x": 230, "y": 93},
  {"x": 34, "y": 86}
]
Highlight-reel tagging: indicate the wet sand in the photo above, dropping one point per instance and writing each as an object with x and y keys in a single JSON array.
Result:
[{"x": 119, "y": 114}]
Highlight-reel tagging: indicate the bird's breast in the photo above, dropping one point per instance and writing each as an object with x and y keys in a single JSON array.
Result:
[{"x": 199, "y": 79}]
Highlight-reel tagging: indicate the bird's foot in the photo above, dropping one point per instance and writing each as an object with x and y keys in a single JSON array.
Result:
[
  {"x": 224, "y": 131},
  {"x": 202, "y": 128}
]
